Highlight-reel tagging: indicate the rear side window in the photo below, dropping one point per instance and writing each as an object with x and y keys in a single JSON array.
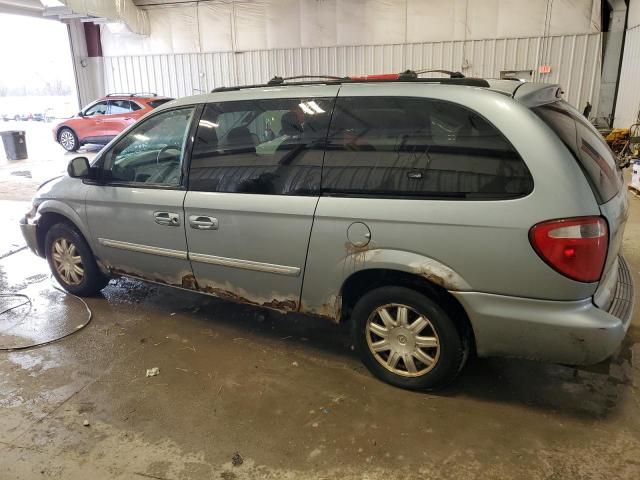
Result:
[
  {"x": 587, "y": 146},
  {"x": 270, "y": 146},
  {"x": 119, "y": 106},
  {"x": 135, "y": 106},
  {"x": 158, "y": 102},
  {"x": 417, "y": 147}
]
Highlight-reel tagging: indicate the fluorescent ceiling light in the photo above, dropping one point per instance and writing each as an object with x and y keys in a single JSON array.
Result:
[
  {"x": 315, "y": 107},
  {"x": 208, "y": 124},
  {"x": 305, "y": 108},
  {"x": 52, "y": 3}
]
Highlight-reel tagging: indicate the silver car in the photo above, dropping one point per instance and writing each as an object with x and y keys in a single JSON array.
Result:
[{"x": 440, "y": 217}]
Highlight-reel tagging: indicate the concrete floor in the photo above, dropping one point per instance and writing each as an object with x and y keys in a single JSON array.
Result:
[{"x": 286, "y": 393}]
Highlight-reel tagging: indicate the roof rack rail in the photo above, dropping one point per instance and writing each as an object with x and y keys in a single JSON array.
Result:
[
  {"x": 455, "y": 78},
  {"x": 131, "y": 94}
]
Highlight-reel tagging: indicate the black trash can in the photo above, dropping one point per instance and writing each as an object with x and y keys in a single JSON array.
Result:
[{"x": 15, "y": 144}]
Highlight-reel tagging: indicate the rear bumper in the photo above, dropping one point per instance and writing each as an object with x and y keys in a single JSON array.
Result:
[{"x": 575, "y": 332}]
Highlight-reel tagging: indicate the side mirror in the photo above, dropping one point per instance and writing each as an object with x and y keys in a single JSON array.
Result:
[
  {"x": 81, "y": 114},
  {"x": 79, "y": 168}
]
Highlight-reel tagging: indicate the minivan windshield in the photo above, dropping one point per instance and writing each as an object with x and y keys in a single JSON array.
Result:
[{"x": 587, "y": 145}]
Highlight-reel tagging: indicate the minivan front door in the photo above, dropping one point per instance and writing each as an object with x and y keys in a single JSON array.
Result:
[
  {"x": 135, "y": 211},
  {"x": 254, "y": 184}
]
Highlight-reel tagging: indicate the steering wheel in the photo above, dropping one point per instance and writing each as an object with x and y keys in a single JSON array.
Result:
[{"x": 164, "y": 149}]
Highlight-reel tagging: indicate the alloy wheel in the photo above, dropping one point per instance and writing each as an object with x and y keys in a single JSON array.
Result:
[
  {"x": 67, "y": 261},
  {"x": 67, "y": 140},
  {"x": 402, "y": 340}
]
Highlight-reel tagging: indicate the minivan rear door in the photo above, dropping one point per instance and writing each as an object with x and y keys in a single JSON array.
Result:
[
  {"x": 254, "y": 184},
  {"x": 599, "y": 165}
]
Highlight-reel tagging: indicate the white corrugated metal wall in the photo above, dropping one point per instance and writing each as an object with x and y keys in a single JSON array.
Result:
[
  {"x": 628, "y": 101},
  {"x": 575, "y": 61}
]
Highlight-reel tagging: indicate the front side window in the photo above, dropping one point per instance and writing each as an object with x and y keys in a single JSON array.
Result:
[
  {"x": 119, "y": 106},
  {"x": 269, "y": 146},
  {"x": 399, "y": 146},
  {"x": 100, "y": 108},
  {"x": 152, "y": 152}
]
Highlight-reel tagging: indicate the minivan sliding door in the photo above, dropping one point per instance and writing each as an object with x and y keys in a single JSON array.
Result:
[{"x": 254, "y": 184}]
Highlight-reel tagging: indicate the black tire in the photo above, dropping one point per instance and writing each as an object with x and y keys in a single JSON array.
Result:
[
  {"x": 449, "y": 355},
  {"x": 92, "y": 280},
  {"x": 68, "y": 139}
]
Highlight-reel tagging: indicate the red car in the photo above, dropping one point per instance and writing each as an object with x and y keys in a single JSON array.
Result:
[{"x": 105, "y": 118}]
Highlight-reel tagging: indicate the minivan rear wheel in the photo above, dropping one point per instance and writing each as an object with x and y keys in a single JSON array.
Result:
[{"x": 407, "y": 339}]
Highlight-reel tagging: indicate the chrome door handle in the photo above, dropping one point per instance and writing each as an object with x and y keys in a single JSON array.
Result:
[
  {"x": 201, "y": 222},
  {"x": 167, "y": 218}
]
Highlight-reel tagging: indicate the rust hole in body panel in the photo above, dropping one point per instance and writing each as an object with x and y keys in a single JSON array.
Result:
[
  {"x": 331, "y": 309},
  {"x": 189, "y": 281},
  {"x": 281, "y": 305}
]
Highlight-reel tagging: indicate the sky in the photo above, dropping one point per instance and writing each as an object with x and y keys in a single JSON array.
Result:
[{"x": 33, "y": 51}]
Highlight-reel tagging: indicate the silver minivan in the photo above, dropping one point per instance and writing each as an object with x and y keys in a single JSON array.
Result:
[{"x": 440, "y": 217}]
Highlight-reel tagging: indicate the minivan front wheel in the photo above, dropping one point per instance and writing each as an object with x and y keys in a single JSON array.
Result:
[
  {"x": 407, "y": 339},
  {"x": 72, "y": 262}
]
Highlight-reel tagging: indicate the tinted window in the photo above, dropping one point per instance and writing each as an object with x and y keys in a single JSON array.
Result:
[
  {"x": 271, "y": 146},
  {"x": 135, "y": 106},
  {"x": 99, "y": 108},
  {"x": 587, "y": 145},
  {"x": 152, "y": 152},
  {"x": 119, "y": 106},
  {"x": 419, "y": 147},
  {"x": 160, "y": 101}
]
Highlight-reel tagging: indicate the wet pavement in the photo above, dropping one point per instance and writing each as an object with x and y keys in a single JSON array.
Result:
[{"x": 245, "y": 393}]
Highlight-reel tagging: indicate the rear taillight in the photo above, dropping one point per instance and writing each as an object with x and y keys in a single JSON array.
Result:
[{"x": 575, "y": 247}]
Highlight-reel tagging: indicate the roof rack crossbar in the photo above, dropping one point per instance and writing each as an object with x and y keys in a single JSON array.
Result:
[
  {"x": 280, "y": 80},
  {"x": 446, "y": 72}
]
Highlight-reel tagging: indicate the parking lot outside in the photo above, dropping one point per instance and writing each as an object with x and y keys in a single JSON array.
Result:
[{"x": 246, "y": 393}]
